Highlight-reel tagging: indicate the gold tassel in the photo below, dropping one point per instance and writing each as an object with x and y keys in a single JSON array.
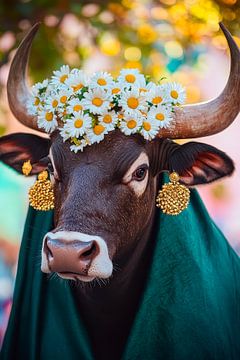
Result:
[
  {"x": 41, "y": 196},
  {"x": 174, "y": 197}
]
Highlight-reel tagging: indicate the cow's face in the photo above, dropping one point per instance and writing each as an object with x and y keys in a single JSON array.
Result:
[
  {"x": 105, "y": 196},
  {"x": 104, "y": 201}
]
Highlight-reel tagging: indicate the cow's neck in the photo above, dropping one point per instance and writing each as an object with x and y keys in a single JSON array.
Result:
[{"x": 108, "y": 310}]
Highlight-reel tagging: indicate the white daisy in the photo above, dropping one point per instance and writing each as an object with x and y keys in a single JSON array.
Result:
[
  {"x": 116, "y": 88},
  {"x": 132, "y": 100},
  {"x": 47, "y": 121},
  {"x": 52, "y": 101},
  {"x": 131, "y": 77},
  {"x": 149, "y": 129},
  {"x": 174, "y": 92},
  {"x": 143, "y": 90},
  {"x": 79, "y": 146},
  {"x": 34, "y": 105},
  {"x": 64, "y": 95},
  {"x": 161, "y": 114},
  {"x": 74, "y": 105},
  {"x": 35, "y": 101},
  {"x": 151, "y": 86},
  {"x": 31, "y": 110},
  {"x": 109, "y": 120},
  {"x": 156, "y": 95},
  {"x": 96, "y": 101},
  {"x": 77, "y": 80},
  {"x": 39, "y": 87},
  {"x": 50, "y": 90},
  {"x": 64, "y": 134},
  {"x": 142, "y": 85},
  {"x": 102, "y": 80},
  {"x": 96, "y": 134},
  {"x": 77, "y": 125},
  {"x": 130, "y": 124},
  {"x": 60, "y": 76}
]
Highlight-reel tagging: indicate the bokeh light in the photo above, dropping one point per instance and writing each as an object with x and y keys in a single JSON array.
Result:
[{"x": 176, "y": 39}]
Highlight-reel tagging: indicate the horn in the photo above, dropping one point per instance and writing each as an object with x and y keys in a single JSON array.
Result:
[
  {"x": 211, "y": 117},
  {"x": 17, "y": 88}
]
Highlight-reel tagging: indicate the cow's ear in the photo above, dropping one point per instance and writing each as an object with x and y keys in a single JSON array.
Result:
[
  {"x": 199, "y": 163},
  {"x": 20, "y": 147}
]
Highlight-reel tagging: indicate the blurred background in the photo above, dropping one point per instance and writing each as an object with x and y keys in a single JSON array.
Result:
[{"x": 179, "y": 39}]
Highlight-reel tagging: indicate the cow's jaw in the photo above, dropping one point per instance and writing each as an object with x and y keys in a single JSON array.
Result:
[{"x": 101, "y": 266}]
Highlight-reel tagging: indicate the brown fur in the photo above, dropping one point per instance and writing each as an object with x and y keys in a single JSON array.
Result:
[{"x": 92, "y": 198}]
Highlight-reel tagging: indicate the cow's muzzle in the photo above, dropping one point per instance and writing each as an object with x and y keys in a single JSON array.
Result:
[
  {"x": 75, "y": 256},
  {"x": 70, "y": 257}
]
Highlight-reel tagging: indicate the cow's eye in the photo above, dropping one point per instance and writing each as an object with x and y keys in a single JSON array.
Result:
[
  {"x": 140, "y": 173},
  {"x": 52, "y": 172},
  {"x": 50, "y": 168}
]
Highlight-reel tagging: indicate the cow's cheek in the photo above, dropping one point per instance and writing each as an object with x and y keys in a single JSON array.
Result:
[
  {"x": 130, "y": 224},
  {"x": 144, "y": 209},
  {"x": 60, "y": 191}
]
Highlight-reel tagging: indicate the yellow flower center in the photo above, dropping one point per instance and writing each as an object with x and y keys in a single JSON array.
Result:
[
  {"x": 133, "y": 102},
  {"x": 37, "y": 101},
  {"x": 107, "y": 119},
  {"x": 78, "y": 123},
  {"x": 120, "y": 116},
  {"x": 115, "y": 91},
  {"x": 130, "y": 78},
  {"x": 101, "y": 81},
  {"x": 63, "y": 78},
  {"x": 98, "y": 129},
  {"x": 77, "y": 107},
  {"x": 131, "y": 124},
  {"x": 54, "y": 103},
  {"x": 77, "y": 87},
  {"x": 157, "y": 100},
  {"x": 63, "y": 99},
  {"x": 143, "y": 89},
  {"x": 49, "y": 116},
  {"x": 174, "y": 94},
  {"x": 97, "y": 101},
  {"x": 146, "y": 126},
  {"x": 160, "y": 116}
]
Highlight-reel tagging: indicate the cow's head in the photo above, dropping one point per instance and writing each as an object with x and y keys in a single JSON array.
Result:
[{"x": 105, "y": 196}]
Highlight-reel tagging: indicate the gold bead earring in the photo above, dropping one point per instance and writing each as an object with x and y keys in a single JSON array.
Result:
[
  {"x": 26, "y": 168},
  {"x": 41, "y": 196},
  {"x": 174, "y": 197}
]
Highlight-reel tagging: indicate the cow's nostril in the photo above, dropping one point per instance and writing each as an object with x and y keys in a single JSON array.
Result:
[
  {"x": 70, "y": 256},
  {"x": 90, "y": 252}
]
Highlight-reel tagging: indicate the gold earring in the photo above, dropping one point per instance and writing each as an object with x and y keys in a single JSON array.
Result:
[
  {"x": 174, "y": 197},
  {"x": 26, "y": 168},
  {"x": 41, "y": 196}
]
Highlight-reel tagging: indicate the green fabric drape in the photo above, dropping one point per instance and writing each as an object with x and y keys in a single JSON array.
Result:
[{"x": 190, "y": 308}]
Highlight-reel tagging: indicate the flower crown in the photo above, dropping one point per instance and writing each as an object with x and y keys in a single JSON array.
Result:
[{"x": 85, "y": 108}]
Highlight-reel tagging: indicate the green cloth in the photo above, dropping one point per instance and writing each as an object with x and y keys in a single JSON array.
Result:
[{"x": 190, "y": 308}]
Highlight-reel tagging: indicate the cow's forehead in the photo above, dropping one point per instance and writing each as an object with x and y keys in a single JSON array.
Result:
[{"x": 115, "y": 148}]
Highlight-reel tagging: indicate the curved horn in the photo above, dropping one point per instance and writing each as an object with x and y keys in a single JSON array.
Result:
[
  {"x": 17, "y": 88},
  {"x": 211, "y": 117}
]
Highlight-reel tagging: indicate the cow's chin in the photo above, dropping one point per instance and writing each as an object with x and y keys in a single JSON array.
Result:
[{"x": 76, "y": 277}]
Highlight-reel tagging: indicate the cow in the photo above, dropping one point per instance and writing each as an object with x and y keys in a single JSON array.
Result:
[{"x": 105, "y": 197}]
